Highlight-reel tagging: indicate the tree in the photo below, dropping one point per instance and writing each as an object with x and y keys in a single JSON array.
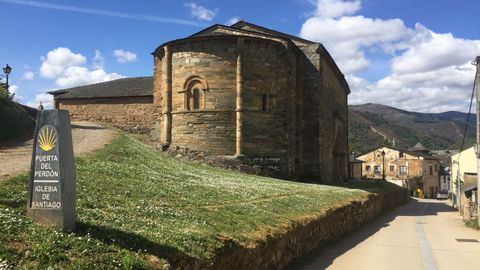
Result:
[
  {"x": 4, "y": 93},
  {"x": 3, "y": 90}
]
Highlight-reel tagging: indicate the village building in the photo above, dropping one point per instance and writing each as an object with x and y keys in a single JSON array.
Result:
[
  {"x": 464, "y": 182},
  {"x": 262, "y": 98},
  {"x": 407, "y": 168},
  {"x": 355, "y": 167},
  {"x": 445, "y": 181},
  {"x": 445, "y": 158}
]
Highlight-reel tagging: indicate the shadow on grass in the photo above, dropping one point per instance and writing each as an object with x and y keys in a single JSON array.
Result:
[
  {"x": 131, "y": 241},
  {"x": 372, "y": 185},
  {"x": 13, "y": 203}
]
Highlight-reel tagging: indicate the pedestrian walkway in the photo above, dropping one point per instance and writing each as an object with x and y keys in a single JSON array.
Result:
[
  {"x": 423, "y": 234},
  {"x": 86, "y": 137}
]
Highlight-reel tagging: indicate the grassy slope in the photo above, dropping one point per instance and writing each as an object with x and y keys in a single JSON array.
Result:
[
  {"x": 15, "y": 122},
  {"x": 134, "y": 202}
]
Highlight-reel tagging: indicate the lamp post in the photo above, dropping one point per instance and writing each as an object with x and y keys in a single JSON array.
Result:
[
  {"x": 6, "y": 70},
  {"x": 383, "y": 167}
]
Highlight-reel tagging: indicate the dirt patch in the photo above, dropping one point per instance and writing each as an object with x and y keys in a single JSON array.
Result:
[{"x": 86, "y": 136}]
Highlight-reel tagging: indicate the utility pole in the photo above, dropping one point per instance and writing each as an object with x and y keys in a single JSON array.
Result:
[{"x": 476, "y": 62}]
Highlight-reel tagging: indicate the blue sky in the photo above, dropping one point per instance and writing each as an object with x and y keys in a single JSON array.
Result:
[{"x": 410, "y": 54}]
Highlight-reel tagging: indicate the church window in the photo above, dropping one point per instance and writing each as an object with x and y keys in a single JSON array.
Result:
[
  {"x": 195, "y": 91},
  {"x": 196, "y": 99},
  {"x": 264, "y": 102}
]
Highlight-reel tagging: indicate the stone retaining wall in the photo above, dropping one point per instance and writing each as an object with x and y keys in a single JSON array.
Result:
[
  {"x": 264, "y": 166},
  {"x": 278, "y": 251},
  {"x": 134, "y": 114}
]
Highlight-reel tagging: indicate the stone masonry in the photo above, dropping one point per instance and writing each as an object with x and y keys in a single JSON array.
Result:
[
  {"x": 256, "y": 95},
  {"x": 132, "y": 114}
]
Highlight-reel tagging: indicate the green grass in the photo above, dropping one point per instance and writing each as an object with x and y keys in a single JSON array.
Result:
[
  {"x": 134, "y": 202},
  {"x": 473, "y": 224}
]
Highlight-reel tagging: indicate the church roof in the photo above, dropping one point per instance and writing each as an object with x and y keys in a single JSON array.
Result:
[
  {"x": 251, "y": 30},
  {"x": 125, "y": 87},
  {"x": 260, "y": 29}
]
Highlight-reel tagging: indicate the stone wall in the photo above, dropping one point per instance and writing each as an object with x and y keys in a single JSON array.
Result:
[
  {"x": 303, "y": 236},
  {"x": 256, "y": 97},
  {"x": 212, "y": 128},
  {"x": 265, "y": 71},
  {"x": 211, "y": 132},
  {"x": 210, "y": 64},
  {"x": 134, "y": 114},
  {"x": 323, "y": 121}
]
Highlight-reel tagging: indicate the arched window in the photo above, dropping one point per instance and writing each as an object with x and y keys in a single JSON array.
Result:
[
  {"x": 196, "y": 99},
  {"x": 264, "y": 102},
  {"x": 195, "y": 91}
]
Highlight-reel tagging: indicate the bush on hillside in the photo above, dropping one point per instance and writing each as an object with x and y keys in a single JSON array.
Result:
[{"x": 15, "y": 122}]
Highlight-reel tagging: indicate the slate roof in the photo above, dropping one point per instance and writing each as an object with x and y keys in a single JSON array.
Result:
[{"x": 125, "y": 87}]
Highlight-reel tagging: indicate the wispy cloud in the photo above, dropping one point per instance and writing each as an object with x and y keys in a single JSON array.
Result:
[
  {"x": 201, "y": 13},
  {"x": 123, "y": 56},
  {"x": 102, "y": 12},
  {"x": 232, "y": 20}
]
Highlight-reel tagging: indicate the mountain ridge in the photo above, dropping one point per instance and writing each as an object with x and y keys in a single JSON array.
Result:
[{"x": 373, "y": 125}]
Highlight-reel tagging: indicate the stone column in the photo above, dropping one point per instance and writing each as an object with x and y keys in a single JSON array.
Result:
[
  {"x": 292, "y": 117},
  {"x": 167, "y": 109},
  {"x": 239, "y": 101}
]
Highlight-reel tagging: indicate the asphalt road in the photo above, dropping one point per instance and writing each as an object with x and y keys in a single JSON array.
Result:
[{"x": 423, "y": 234}]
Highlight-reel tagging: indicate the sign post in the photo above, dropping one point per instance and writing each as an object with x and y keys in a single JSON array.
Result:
[{"x": 52, "y": 184}]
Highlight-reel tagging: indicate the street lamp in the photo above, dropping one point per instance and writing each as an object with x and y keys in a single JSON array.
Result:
[
  {"x": 383, "y": 158},
  {"x": 6, "y": 70}
]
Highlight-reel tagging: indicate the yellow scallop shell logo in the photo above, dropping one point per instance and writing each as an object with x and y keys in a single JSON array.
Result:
[{"x": 47, "y": 138}]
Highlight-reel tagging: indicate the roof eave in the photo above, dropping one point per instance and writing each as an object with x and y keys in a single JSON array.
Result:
[{"x": 129, "y": 96}]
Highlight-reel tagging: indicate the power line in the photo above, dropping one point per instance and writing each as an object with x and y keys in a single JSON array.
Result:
[{"x": 468, "y": 115}]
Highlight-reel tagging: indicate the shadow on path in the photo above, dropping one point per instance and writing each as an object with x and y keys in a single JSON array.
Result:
[
  {"x": 323, "y": 257},
  {"x": 87, "y": 127}
]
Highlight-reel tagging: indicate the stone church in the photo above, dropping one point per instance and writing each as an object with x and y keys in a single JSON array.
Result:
[{"x": 245, "y": 93}]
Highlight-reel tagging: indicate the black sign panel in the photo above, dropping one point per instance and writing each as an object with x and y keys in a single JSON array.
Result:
[
  {"x": 52, "y": 188},
  {"x": 46, "y": 175}
]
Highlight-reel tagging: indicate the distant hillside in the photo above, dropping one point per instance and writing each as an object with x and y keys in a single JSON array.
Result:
[
  {"x": 372, "y": 125},
  {"x": 15, "y": 122}
]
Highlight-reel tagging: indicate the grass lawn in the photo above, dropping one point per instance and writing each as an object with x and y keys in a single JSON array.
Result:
[{"x": 137, "y": 206}]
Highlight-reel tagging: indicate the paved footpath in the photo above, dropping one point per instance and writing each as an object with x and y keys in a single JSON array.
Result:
[
  {"x": 423, "y": 234},
  {"x": 86, "y": 137}
]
